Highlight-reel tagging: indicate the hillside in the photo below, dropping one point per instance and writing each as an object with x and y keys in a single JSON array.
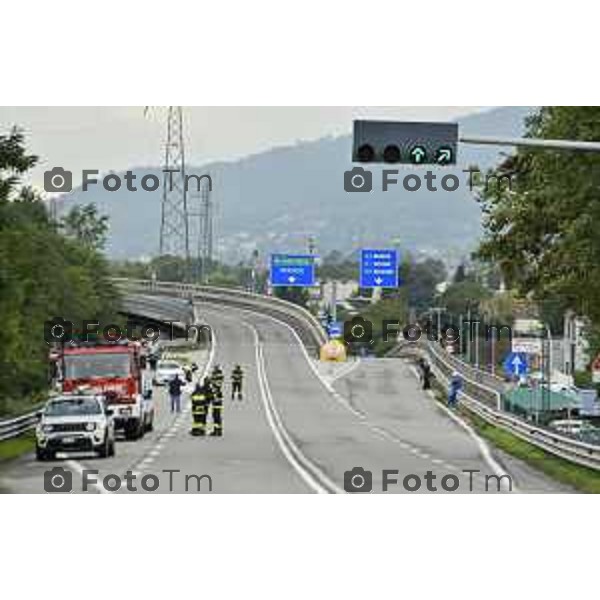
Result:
[{"x": 275, "y": 199}]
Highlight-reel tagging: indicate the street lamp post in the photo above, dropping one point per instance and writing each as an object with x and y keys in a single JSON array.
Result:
[
  {"x": 477, "y": 343},
  {"x": 470, "y": 332},
  {"x": 547, "y": 367},
  {"x": 493, "y": 350}
]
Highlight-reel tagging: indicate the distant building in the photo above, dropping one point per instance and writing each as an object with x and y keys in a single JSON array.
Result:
[
  {"x": 343, "y": 291},
  {"x": 575, "y": 346}
]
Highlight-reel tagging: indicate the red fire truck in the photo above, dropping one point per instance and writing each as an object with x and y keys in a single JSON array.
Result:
[{"x": 116, "y": 371}]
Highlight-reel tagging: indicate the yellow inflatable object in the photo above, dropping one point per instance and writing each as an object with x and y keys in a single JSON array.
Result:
[{"x": 333, "y": 351}]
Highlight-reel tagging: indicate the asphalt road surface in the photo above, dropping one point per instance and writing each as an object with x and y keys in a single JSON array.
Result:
[{"x": 300, "y": 427}]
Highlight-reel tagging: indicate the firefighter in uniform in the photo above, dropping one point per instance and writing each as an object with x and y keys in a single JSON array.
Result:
[
  {"x": 237, "y": 376},
  {"x": 217, "y": 378},
  {"x": 201, "y": 398}
]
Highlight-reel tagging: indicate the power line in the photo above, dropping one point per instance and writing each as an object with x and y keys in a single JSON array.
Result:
[{"x": 174, "y": 225}]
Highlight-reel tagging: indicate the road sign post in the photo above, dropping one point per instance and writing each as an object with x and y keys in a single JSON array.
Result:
[
  {"x": 516, "y": 364},
  {"x": 378, "y": 268},
  {"x": 296, "y": 270}
]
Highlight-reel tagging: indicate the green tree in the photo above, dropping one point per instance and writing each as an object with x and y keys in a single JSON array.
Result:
[
  {"x": 297, "y": 295},
  {"x": 420, "y": 279},
  {"x": 544, "y": 232},
  {"x": 85, "y": 225},
  {"x": 459, "y": 297},
  {"x": 43, "y": 274}
]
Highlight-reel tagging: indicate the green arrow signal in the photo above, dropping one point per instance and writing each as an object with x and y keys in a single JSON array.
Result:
[
  {"x": 443, "y": 156},
  {"x": 418, "y": 154}
]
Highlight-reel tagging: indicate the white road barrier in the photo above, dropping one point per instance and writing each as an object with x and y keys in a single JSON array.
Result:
[{"x": 12, "y": 428}]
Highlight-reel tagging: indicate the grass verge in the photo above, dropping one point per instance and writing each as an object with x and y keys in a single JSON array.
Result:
[
  {"x": 579, "y": 477},
  {"x": 14, "y": 448}
]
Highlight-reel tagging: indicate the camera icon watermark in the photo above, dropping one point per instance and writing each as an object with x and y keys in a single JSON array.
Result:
[
  {"x": 358, "y": 180},
  {"x": 358, "y": 480},
  {"x": 58, "y": 330},
  {"x": 58, "y": 180},
  {"x": 358, "y": 330},
  {"x": 58, "y": 480}
]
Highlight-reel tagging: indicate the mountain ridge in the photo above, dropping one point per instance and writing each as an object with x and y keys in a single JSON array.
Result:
[{"x": 273, "y": 200}]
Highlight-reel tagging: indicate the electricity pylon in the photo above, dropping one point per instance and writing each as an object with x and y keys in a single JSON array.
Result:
[
  {"x": 174, "y": 226},
  {"x": 205, "y": 231}
]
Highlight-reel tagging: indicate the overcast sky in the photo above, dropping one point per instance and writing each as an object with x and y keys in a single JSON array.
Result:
[{"x": 120, "y": 138}]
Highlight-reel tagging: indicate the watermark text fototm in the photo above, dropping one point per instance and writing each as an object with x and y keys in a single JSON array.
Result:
[
  {"x": 361, "y": 180},
  {"x": 59, "y": 180},
  {"x": 60, "y": 480},
  {"x": 360, "y": 330},
  {"x": 361, "y": 480},
  {"x": 59, "y": 330}
]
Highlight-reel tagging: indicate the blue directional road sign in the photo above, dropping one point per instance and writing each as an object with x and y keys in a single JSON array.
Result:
[
  {"x": 378, "y": 268},
  {"x": 292, "y": 270},
  {"x": 334, "y": 329},
  {"x": 516, "y": 363}
]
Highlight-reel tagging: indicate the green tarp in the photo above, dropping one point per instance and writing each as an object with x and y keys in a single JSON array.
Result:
[{"x": 532, "y": 400}]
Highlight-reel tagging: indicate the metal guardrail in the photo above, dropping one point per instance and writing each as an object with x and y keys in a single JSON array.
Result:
[
  {"x": 12, "y": 428},
  {"x": 486, "y": 403},
  {"x": 478, "y": 375},
  {"x": 178, "y": 312}
]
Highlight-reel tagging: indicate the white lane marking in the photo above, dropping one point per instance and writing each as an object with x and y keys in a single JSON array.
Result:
[
  {"x": 78, "y": 468},
  {"x": 345, "y": 372},
  {"x": 305, "y": 469},
  {"x": 361, "y": 416},
  {"x": 173, "y": 430},
  {"x": 329, "y": 387},
  {"x": 338, "y": 397},
  {"x": 482, "y": 446},
  {"x": 484, "y": 450}
]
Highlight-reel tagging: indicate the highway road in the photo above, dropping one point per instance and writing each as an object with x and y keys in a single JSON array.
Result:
[{"x": 299, "y": 428}]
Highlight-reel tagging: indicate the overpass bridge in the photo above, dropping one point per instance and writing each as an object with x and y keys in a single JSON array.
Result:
[{"x": 302, "y": 426}]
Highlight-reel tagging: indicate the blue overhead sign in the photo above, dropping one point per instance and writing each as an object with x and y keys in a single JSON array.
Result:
[
  {"x": 292, "y": 269},
  {"x": 378, "y": 268},
  {"x": 516, "y": 363}
]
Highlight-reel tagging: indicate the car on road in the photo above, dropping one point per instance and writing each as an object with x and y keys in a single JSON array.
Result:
[
  {"x": 167, "y": 370},
  {"x": 75, "y": 422}
]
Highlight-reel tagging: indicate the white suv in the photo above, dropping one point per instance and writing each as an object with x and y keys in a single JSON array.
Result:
[
  {"x": 80, "y": 423},
  {"x": 167, "y": 370}
]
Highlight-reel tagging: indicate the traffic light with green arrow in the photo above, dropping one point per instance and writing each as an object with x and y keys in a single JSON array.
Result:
[{"x": 412, "y": 143}]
